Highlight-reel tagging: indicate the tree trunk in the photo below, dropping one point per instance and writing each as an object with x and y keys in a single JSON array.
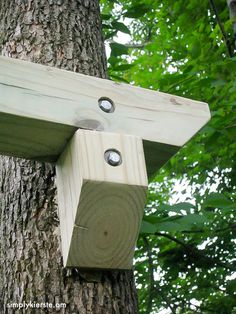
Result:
[{"x": 65, "y": 34}]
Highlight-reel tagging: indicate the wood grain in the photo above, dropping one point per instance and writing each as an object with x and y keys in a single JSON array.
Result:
[
  {"x": 100, "y": 206},
  {"x": 53, "y": 103}
]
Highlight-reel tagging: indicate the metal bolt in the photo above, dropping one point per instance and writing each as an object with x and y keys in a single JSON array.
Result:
[
  {"x": 113, "y": 157},
  {"x": 106, "y": 105}
]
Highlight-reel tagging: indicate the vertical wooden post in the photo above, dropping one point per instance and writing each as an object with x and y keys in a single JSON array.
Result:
[{"x": 101, "y": 201}]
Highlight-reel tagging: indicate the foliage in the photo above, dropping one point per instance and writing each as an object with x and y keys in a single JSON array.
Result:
[{"x": 185, "y": 258}]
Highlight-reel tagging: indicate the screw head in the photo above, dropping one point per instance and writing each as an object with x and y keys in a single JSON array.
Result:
[
  {"x": 113, "y": 157},
  {"x": 106, "y": 105}
]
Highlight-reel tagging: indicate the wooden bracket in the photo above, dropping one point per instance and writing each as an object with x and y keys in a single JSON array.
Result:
[
  {"x": 101, "y": 205},
  {"x": 101, "y": 171}
]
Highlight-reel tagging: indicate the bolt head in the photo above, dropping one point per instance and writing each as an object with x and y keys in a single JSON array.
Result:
[
  {"x": 113, "y": 157},
  {"x": 106, "y": 105}
]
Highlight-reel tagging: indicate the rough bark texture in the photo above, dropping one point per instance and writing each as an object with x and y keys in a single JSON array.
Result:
[{"x": 65, "y": 34}]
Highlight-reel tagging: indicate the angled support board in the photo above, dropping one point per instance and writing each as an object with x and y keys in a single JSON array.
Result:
[
  {"x": 41, "y": 107},
  {"x": 100, "y": 205}
]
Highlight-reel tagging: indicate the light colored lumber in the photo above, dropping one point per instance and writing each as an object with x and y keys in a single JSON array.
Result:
[
  {"x": 100, "y": 206},
  {"x": 53, "y": 103},
  {"x": 32, "y": 139}
]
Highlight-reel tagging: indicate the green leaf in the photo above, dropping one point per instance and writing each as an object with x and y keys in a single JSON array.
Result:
[
  {"x": 170, "y": 226},
  {"x": 106, "y": 17},
  {"x": 181, "y": 223},
  {"x": 118, "y": 78},
  {"x": 154, "y": 218},
  {"x": 176, "y": 207},
  {"x": 147, "y": 227},
  {"x": 123, "y": 67},
  {"x": 231, "y": 287},
  {"x": 192, "y": 220},
  {"x": 218, "y": 83},
  {"x": 118, "y": 49},
  {"x": 110, "y": 34},
  {"x": 120, "y": 27},
  {"x": 182, "y": 206},
  {"x": 113, "y": 61},
  {"x": 137, "y": 10},
  {"x": 195, "y": 49},
  {"x": 218, "y": 200}
]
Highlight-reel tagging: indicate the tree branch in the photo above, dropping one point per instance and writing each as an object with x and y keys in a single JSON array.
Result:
[
  {"x": 152, "y": 287},
  {"x": 165, "y": 299},
  {"x": 193, "y": 251},
  {"x": 136, "y": 46},
  {"x": 151, "y": 276},
  {"x": 226, "y": 39},
  {"x": 168, "y": 236}
]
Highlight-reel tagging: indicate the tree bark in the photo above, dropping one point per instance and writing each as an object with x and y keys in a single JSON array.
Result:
[{"x": 66, "y": 34}]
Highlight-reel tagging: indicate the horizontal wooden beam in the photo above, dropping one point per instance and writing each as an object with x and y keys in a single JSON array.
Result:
[{"x": 41, "y": 107}]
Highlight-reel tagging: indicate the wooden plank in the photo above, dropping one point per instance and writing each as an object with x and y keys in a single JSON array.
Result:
[
  {"x": 54, "y": 103},
  {"x": 33, "y": 139},
  {"x": 100, "y": 206}
]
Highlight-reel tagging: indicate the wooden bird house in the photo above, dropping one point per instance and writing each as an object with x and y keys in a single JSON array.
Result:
[{"x": 105, "y": 138}]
